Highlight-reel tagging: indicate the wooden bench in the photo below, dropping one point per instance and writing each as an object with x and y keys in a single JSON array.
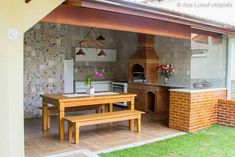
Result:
[
  {"x": 77, "y": 121},
  {"x": 52, "y": 110}
]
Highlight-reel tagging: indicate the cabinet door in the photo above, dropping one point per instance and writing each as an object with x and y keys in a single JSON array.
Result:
[
  {"x": 102, "y": 86},
  {"x": 91, "y": 55},
  {"x": 80, "y": 87},
  {"x": 98, "y": 85}
]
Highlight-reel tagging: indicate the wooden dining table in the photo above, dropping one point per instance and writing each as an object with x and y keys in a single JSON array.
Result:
[{"x": 62, "y": 101}]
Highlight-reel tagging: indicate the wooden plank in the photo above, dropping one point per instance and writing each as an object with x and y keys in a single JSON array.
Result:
[
  {"x": 62, "y": 98},
  {"x": 107, "y": 115},
  {"x": 73, "y": 2},
  {"x": 156, "y": 13},
  {"x": 80, "y": 16},
  {"x": 107, "y": 120}
]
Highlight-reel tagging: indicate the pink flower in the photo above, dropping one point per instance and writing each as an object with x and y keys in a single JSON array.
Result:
[{"x": 100, "y": 75}]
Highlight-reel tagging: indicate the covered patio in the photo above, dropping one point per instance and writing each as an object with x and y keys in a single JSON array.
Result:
[
  {"x": 96, "y": 138},
  {"x": 188, "y": 102}
]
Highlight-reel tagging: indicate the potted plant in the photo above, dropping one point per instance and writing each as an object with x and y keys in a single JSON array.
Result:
[
  {"x": 88, "y": 83},
  {"x": 167, "y": 71}
]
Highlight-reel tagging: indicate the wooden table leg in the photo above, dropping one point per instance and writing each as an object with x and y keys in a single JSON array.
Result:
[
  {"x": 76, "y": 133},
  {"x": 131, "y": 107},
  {"x": 44, "y": 115},
  {"x": 139, "y": 124},
  {"x": 110, "y": 107},
  {"x": 70, "y": 131},
  {"x": 61, "y": 121}
]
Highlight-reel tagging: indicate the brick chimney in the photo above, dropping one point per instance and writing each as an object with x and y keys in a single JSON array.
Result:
[{"x": 145, "y": 57}]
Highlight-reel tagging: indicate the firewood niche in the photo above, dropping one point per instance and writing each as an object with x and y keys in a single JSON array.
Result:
[{"x": 143, "y": 77}]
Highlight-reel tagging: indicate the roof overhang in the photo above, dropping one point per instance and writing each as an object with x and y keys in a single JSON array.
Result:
[{"x": 129, "y": 8}]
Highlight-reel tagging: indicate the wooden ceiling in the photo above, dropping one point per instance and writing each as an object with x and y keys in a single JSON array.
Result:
[
  {"x": 92, "y": 13},
  {"x": 73, "y": 2}
]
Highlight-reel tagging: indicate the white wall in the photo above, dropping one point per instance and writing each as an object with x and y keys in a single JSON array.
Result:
[
  {"x": 211, "y": 67},
  {"x": 232, "y": 59},
  {"x": 15, "y": 14}
]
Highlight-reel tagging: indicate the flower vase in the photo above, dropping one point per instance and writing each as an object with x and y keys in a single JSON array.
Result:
[
  {"x": 166, "y": 80},
  {"x": 90, "y": 91}
]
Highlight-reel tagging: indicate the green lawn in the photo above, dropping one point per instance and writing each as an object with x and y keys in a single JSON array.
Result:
[{"x": 215, "y": 141}]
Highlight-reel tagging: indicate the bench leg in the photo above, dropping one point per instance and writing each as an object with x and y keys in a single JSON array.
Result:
[
  {"x": 110, "y": 107},
  {"x": 76, "y": 133},
  {"x": 103, "y": 109},
  {"x": 131, "y": 124},
  {"x": 139, "y": 124},
  {"x": 70, "y": 131},
  {"x": 97, "y": 110},
  {"x": 48, "y": 119}
]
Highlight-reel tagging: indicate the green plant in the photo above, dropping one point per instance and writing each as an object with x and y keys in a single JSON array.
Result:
[{"x": 88, "y": 81}]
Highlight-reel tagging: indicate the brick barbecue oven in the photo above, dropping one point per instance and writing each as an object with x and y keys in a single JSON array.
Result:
[
  {"x": 142, "y": 65},
  {"x": 144, "y": 61}
]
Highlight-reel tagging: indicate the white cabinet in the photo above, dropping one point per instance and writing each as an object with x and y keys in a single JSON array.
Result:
[
  {"x": 98, "y": 85},
  {"x": 92, "y": 55}
]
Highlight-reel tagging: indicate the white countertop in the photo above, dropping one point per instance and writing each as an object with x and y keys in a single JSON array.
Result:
[
  {"x": 101, "y": 81},
  {"x": 196, "y": 90}
]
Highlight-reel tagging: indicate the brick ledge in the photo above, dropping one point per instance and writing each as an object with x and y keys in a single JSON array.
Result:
[{"x": 225, "y": 101}]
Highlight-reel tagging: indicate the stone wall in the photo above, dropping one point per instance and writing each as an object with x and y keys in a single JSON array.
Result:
[
  {"x": 226, "y": 112},
  {"x": 126, "y": 46},
  {"x": 190, "y": 111},
  {"x": 83, "y": 69},
  {"x": 44, "y": 52},
  {"x": 47, "y": 45},
  {"x": 177, "y": 52}
]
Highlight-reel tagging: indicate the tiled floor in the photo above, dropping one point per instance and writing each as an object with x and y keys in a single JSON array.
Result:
[{"x": 93, "y": 138}]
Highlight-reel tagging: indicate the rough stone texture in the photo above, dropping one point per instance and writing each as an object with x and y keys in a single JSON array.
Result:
[
  {"x": 126, "y": 46},
  {"x": 226, "y": 112},
  {"x": 83, "y": 69},
  {"x": 177, "y": 52},
  {"x": 192, "y": 111},
  {"x": 44, "y": 51},
  {"x": 47, "y": 45}
]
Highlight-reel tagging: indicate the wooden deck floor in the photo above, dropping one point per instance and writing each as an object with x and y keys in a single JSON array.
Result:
[{"x": 93, "y": 138}]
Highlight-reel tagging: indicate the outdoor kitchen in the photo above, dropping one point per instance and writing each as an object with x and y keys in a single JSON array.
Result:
[
  {"x": 109, "y": 78},
  {"x": 132, "y": 64}
]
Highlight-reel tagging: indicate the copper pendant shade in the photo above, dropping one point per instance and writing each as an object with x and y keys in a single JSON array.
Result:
[
  {"x": 98, "y": 41},
  {"x": 102, "y": 53},
  {"x": 81, "y": 52},
  {"x": 100, "y": 38}
]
